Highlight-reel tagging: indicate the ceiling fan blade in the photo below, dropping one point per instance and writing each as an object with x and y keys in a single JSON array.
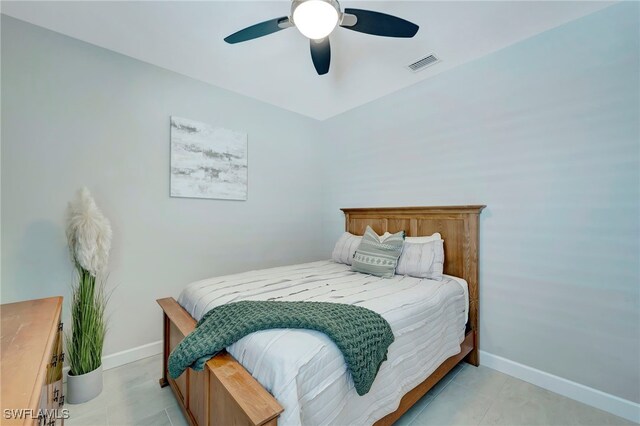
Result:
[
  {"x": 381, "y": 24},
  {"x": 259, "y": 30},
  {"x": 321, "y": 55}
]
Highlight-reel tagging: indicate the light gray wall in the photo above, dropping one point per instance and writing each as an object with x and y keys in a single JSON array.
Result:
[
  {"x": 546, "y": 134},
  {"x": 74, "y": 114}
]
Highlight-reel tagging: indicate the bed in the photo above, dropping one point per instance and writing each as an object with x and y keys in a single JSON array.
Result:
[{"x": 435, "y": 324}]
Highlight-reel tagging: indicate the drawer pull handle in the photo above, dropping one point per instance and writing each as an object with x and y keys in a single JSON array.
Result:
[
  {"x": 54, "y": 360},
  {"x": 61, "y": 358},
  {"x": 61, "y": 402},
  {"x": 60, "y": 326}
]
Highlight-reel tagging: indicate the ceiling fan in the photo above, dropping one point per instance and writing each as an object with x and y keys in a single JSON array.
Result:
[{"x": 316, "y": 19}]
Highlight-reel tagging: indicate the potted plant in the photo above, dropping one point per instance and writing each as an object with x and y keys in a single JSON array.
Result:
[{"x": 89, "y": 238}]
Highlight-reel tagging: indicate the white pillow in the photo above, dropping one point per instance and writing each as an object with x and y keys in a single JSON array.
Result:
[
  {"x": 434, "y": 237},
  {"x": 422, "y": 260},
  {"x": 345, "y": 248}
]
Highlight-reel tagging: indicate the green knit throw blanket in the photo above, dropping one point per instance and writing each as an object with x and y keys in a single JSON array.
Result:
[{"x": 362, "y": 335}]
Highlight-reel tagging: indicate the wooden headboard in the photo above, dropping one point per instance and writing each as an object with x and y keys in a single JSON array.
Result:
[{"x": 459, "y": 227}]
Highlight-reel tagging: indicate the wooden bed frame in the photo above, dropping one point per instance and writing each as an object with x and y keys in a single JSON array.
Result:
[{"x": 224, "y": 393}]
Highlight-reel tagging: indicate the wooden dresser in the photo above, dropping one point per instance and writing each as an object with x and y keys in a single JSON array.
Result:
[{"x": 32, "y": 357}]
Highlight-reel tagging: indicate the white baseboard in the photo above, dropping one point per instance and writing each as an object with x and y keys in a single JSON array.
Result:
[
  {"x": 130, "y": 355},
  {"x": 127, "y": 356},
  {"x": 615, "y": 405}
]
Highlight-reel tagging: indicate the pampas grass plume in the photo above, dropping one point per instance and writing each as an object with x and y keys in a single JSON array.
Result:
[{"x": 88, "y": 233}]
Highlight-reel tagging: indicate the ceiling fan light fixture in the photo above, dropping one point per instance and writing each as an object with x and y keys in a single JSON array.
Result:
[{"x": 315, "y": 19}]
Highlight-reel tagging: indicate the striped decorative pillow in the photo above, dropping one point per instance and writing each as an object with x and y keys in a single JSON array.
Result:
[{"x": 375, "y": 257}]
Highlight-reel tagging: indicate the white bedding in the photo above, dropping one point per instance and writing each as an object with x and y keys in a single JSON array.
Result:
[{"x": 305, "y": 371}]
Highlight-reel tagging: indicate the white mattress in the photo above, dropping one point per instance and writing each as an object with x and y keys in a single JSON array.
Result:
[{"x": 305, "y": 371}]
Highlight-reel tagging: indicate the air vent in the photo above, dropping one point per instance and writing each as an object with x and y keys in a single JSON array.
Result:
[{"x": 423, "y": 63}]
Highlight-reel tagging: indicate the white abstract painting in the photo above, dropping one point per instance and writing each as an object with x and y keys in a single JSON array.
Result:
[{"x": 207, "y": 161}]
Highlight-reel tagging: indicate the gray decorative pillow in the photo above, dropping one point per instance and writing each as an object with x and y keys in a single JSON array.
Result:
[
  {"x": 345, "y": 248},
  {"x": 422, "y": 260},
  {"x": 375, "y": 257}
]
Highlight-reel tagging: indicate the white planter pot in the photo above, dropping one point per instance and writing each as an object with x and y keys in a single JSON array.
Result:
[{"x": 84, "y": 387}]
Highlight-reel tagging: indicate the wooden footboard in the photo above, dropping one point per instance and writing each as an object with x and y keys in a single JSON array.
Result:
[{"x": 224, "y": 393}]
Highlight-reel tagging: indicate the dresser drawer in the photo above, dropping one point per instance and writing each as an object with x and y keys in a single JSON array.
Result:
[{"x": 52, "y": 396}]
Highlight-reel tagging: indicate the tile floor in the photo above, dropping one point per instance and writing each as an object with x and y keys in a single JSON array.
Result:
[{"x": 467, "y": 396}]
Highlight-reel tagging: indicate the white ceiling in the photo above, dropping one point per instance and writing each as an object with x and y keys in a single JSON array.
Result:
[{"x": 186, "y": 37}]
